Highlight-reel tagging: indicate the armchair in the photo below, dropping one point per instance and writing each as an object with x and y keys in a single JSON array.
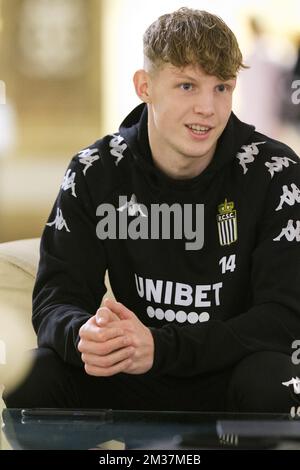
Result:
[{"x": 18, "y": 267}]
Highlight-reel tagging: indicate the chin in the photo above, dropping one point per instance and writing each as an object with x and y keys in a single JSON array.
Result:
[{"x": 200, "y": 151}]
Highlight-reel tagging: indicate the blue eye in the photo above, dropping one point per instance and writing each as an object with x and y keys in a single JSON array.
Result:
[
  {"x": 186, "y": 86},
  {"x": 222, "y": 87}
]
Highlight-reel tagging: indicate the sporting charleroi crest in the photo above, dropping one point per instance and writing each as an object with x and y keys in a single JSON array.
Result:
[{"x": 227, "y": 223}]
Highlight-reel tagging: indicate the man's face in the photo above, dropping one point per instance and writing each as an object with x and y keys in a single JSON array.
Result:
[{"x": 188, "y": 111}]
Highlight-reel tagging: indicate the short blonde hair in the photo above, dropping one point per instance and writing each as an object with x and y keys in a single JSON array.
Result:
[{"x": 193, "y": 37}]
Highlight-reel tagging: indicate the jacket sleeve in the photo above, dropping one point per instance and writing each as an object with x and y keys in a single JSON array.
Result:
[
  {"x": 273, "y": 321},
  {"x": 70, "y": 280}
]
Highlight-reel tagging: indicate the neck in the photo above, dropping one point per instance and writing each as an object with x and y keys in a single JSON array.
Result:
[
  {"x": 174, "y": 164},
  {"x": 176, "y": 168}
]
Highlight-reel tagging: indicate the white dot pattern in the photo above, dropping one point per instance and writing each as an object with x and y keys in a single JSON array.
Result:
[
  {"x": 193, "y": 317},
  {"x": 150, "y": 311},
  {"x": 170, "y": 315},
  {"x": 180, "y": 316},
  {"x": 160, "y": 314},
  {"x": 204, "y": 316}
]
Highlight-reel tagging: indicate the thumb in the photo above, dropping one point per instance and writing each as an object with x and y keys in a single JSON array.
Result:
[
  {"x": 119, "y": 309},
  {"x": 104, "y": 316}
]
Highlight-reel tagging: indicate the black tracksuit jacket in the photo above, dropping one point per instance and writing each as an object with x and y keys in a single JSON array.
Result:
[{"x": 207, "y": 307}]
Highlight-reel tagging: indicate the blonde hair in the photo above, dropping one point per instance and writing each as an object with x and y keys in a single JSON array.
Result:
[{"x": 193, "y": 37}]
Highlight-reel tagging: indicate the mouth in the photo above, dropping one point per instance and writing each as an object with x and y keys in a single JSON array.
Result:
[{"x": 198, "y": 129}]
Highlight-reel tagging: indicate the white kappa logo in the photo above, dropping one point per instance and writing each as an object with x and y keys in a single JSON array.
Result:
[
  {"x": 87, "y": 157},
  {"x": 133, "y": 207},
  {"x": 59, "y": 221},
  {"x": 247, "y": 156}
]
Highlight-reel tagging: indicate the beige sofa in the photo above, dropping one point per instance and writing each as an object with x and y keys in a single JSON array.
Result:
[{"x": 18, "y": 266}]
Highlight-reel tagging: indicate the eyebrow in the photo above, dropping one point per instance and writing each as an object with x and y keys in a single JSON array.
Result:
[{"x": 185, "y": 77}]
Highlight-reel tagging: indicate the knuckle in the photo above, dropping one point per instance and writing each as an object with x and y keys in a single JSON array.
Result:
[
  {"x": 81, "y": 332},
  {"x": 102, "y": 349},
  {"x": 103, "y": 336},
  {"x": 127, "y": 352},
  {"x": 83, "y": 357},
  {"x": 117, "y": 331},
  {"x": 104, "y": 362}
]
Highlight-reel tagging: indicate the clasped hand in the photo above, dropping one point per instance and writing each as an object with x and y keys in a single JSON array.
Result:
[{"x": 115, "y": 340}]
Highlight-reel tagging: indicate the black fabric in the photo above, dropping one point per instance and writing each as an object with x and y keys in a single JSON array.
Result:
[
  {"x": 254, "y": 385},
  {"x": 207, "y": 308}
]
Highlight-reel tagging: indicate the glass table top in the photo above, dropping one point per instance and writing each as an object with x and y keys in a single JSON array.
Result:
[{"x": 119, "y": 429}]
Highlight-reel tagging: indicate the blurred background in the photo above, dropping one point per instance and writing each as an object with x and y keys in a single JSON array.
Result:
[{"x": 66, "y": 70}]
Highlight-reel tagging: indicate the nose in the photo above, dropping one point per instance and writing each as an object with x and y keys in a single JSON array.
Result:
[{"x": 204, "y": 104}]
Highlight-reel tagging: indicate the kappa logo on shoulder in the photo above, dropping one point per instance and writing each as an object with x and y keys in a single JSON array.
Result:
[
  {"x": 248, "y": 154},
  {"x": 87, "y": 157}
]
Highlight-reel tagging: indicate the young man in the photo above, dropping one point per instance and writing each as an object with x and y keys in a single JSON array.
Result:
[{"x": 208, "y": 293}]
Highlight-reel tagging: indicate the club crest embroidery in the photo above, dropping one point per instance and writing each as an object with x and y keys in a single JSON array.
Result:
[{"x": 227, "y": 223}]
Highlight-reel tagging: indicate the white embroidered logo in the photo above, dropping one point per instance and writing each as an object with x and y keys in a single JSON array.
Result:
[
  {"x": 117, "y": 148},
  {"x": 295, "y": 381},
  {"x": 290, "y": 232},
  {"x": 289, "y": 197},
  {"x": 59, "y": 221},
  {"x": 248, "y": 155},
  {"x": 279, "y": 163},
  {"x": 69, "y": 182},
  {"x": 295, "y": 412},
  {"x": 133, "y": 207},
  {"x": 87, "y": 157}
]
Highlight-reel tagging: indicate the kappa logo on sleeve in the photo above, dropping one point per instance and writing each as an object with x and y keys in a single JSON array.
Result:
[
  {"x": 59, "y": 221},
  {"x": 289, "y": 197},
  {"x": 227, "y": 223},
  {"x": 295, "y": 412},
  {"x": 87, "y": 157},
  {"x": 118, "y": 147},
  {"x": 278, "y": 164},
  {"x": 248, "y": 154},
  {"x": 69, "y": 182},
  {"x": 290, "y": 232},
  {"x": 295, "y": 382}
]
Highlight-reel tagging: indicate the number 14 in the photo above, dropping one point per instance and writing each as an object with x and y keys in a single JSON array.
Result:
[{"x": 227, "y": 264}]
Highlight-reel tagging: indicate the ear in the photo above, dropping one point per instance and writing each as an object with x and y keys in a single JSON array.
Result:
[{"x": 141, "y": 80}]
